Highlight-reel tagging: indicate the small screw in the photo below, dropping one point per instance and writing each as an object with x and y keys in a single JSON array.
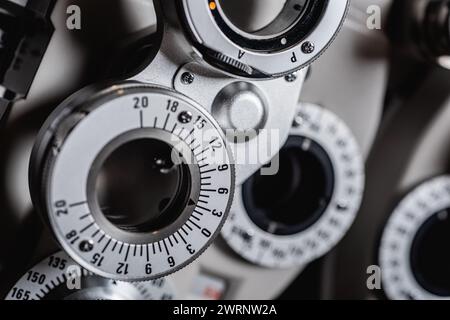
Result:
[
  {"x": 185, "y": 117},
  {"x": 86, "y": 246},
  {"x": 187, "y": 78},
  {"x": 291, "y": 77},
  {"x": 298, "y": 121},
  {"x": 308, "y": 47}
]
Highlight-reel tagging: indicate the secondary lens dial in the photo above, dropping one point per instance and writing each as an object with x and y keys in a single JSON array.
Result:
[
  {"x": 58, "y": 277},
  {"x": 413, "y": 256},
  {"x": 302, "y": 211}
]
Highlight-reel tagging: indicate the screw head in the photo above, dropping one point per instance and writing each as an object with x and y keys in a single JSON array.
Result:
[
  {"x": 298, "y": 121},
  {"x": 86, "y": 246},
  {"x": 187, "y": 78},
  {"x": 291, "y": 77},
  {"x": 185, "y": 117},
  {"x": 308, "y": 47}
]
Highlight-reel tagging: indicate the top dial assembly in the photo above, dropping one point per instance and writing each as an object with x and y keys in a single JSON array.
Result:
[{"x": 296, "y": 36}]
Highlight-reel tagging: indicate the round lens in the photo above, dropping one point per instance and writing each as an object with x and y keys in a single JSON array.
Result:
[{"x": 296, "y": 197}]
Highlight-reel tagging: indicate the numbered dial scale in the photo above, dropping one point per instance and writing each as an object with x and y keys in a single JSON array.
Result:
[
  {"x": 300, "y": 213},
  {"x": 301, "y": 31},
  {"x": 135, "y": 181},
  {"x": 58, "y": 277},
  {"x": 413, "y": 251}
]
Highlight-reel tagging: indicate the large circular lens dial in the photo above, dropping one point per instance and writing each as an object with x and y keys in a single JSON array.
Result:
[
  {"x": 58, "y": 277},
  {"x": 413, "y": 250},
  {"x": 302, "y": 211},
  {"x": 298, "y": 34},
  {"x": 136, "y": 181}
]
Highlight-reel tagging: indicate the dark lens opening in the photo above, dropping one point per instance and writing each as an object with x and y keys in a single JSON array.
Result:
[
  {"x": 141, "y": 187},
  {"x": 297, "y": 196}
]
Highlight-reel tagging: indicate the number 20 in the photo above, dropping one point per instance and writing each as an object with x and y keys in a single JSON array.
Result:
[{"x": 140, "y": 102}]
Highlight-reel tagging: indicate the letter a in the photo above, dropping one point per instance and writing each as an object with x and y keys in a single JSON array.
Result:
[{"x": 73, "y": 22}]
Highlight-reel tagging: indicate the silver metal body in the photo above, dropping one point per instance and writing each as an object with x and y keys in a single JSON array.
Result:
[{"x": 411, "y": 148}]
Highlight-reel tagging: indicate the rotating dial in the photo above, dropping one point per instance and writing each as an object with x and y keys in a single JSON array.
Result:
[
  {"x": 151, "y": 185},
  {"x": 412, "y": 255},
  {"x": 58, "y": 277}
]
